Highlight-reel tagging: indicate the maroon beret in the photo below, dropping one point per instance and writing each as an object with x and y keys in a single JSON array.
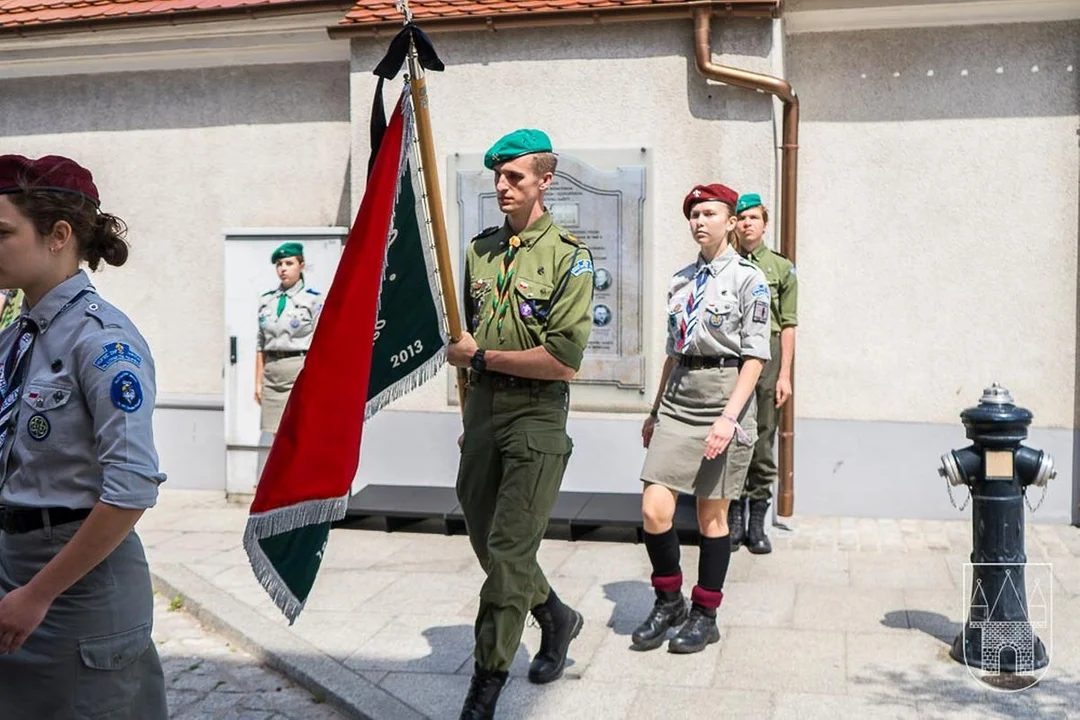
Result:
[
  {"x": 701, "y": 193},
  {"x": 52, "y": 172}
]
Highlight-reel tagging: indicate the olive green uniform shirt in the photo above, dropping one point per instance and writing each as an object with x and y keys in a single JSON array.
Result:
[
  {"x": 783, "y": 284},
  {"x": 548, "y": 303}
]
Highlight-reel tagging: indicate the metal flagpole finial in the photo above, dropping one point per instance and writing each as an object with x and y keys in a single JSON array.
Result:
[{"x": 403, "y": 8}]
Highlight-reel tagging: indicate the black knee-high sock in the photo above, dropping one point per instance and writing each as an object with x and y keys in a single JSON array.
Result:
[
  {"x": 712, "y": 570},
  {"x": 663, "y": 549}
]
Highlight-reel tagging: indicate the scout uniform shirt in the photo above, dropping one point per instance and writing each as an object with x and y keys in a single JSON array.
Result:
[
  {"x": 83, "y": 430},
  {"x": 287, "y": 318},
  {"x": 733, "y": 316},
  {"x": 783, "y": 285},
  {"x": 539, "y": 295}
]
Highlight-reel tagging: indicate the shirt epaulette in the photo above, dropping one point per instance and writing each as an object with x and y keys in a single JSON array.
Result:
[
  {"x": 570, "y": 238},
  {"x": 313, "y": 292},
  {"x": 486, "y": 231},
  {"x": 747, "y": 263},
  {"x": 777, "y": 252},
  {"x": 104, "y": 313},
  {"x": 269, "y": 292}
]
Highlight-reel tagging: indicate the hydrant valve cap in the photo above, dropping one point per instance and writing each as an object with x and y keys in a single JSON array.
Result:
[
  {"x": 1046, "y": 471},
  {"x": 997, "y": 395},
  {"x": 950, "y": 470}
]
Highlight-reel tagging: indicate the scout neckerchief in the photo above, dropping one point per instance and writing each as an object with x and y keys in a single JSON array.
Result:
[
  {"x": 283, "y": 297},
  {"x": 504, "y": 283},
  {"x": 688, "y": 323},
  {"x": 12, "y": 373}
]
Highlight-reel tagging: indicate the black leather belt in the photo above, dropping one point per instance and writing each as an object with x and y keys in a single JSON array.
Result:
[
  {"x": 499, "y": 381},
  {"x": 18, "y": 520},
  {"x": 697, "y": 362},
  {"x": 282, "y": 354}
]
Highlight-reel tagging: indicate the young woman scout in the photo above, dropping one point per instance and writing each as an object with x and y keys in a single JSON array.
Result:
[
  {"x": 700, "y": 433},
  {"x": 287, "y": 318},
  {"x": 77, "y": 461}
]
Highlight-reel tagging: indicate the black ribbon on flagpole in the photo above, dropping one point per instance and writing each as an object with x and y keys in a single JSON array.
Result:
[{"x": 389, "y": 67}]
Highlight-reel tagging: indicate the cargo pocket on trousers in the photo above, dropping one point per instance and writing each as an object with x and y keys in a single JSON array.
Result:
[
  {"x": 554, "y": 451},
  {"x": 110, "y": 674}
]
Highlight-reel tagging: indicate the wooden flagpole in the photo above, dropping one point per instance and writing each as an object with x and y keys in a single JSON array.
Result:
[{"x": 430, "y": 174}]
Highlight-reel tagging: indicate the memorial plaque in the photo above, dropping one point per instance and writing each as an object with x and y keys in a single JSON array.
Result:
[{"x": 605, "y": 210}]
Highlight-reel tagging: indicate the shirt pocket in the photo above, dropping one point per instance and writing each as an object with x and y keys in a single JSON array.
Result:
[
  {"x": 721, "y": 316},
  {"x": 531, "y": 300},
  {"x": 48, "y": 416},
  {"x": 301, "y": 322}
]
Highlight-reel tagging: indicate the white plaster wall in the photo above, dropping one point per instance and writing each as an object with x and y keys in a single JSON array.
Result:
[
  {"x": 938, "y": 221},
  {"x": 180, "y": 156},
  {"x": 617, "y": 86}
]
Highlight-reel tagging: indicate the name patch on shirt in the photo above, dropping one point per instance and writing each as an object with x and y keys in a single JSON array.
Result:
[
  {"x": 581, "y": 266},
  {"x": 126, "y": 392},
  {"x": 761, "y": 312},
  {"x": 114, "y": 353}
]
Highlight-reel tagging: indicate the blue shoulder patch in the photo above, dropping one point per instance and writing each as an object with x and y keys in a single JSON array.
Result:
[
  {"x": 114, "y": 353},
  {"x": 761, "y": 289},
  {"x": 126, "y": 392},
  {"x": 583, "y": 265},
  {"x": 313, "y": 292}
]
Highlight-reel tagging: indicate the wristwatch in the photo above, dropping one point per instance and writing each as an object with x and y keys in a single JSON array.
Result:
[{"x": 478, "y": 363}]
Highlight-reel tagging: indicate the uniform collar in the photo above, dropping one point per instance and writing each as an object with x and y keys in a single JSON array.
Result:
[
  {"x": 530, "y": 235},
  {"x": 57, "y": 299},
  {"x": 718, "y": 263},
  {"x": 294, "y": 290},
  {"x": 758, "y": 252}
]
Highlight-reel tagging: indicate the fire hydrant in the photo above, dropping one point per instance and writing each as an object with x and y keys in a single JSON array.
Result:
[{"x": 998, "y": 635}]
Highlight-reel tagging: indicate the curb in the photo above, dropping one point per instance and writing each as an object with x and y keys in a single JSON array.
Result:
[{"x": 276, "y": 647}]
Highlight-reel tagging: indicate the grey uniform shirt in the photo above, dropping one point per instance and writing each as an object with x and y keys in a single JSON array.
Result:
[
  {"x": 733, "y": 319},
  {"x": 83, "y": 429},
  {"x": 293, "y": 328}
]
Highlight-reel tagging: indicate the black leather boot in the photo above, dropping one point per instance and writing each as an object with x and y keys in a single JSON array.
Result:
[
  {"x": 757, "y": 541},
  {"x": 698, "y": 632},
  {"x": 736, "y": 521},
  {"x": 559, "y": 624},
  {"x": 668, "y": 611},
  {"x": 483, "y": 694}
]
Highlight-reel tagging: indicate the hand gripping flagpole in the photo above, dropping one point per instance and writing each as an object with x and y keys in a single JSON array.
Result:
[{"x": 430, "y": 174}]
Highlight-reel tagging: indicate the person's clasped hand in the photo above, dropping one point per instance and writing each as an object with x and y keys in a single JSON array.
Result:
[{"x": 460, "y": 353}]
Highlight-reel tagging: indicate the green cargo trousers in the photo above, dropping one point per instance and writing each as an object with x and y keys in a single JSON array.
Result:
[
  {"x": 762, "y": 473},
  {"x": 513, "y": 456}
]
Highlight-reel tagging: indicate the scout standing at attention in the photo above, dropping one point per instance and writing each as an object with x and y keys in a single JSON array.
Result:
[
  {"x": 774, "y": 385},
  {"x": 701, "y": 429},
  {"x": 528, "y": 292},
  {"x": 77, "y": 462},
  {"x": 287, "y": 318}
]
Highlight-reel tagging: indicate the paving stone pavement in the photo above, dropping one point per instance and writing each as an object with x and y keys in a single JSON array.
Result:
[
  {"x": 846, "y": 618},
  {"x": 208, "y": 678}
]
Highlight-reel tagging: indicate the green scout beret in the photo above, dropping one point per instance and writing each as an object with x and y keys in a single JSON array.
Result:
[
  {"x": 747, "y": 201},
  {"x": 289, "y": 249},
  {"x": 520, "y": 142}
]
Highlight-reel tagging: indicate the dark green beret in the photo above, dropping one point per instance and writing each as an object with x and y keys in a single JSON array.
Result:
[
  {"x": 289, "y": 249},
  {"x": 747, "y": 201},
  {"x": 520, "y": 142}
]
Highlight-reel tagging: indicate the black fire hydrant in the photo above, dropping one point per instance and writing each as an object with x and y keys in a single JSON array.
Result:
[{"x": 998, "y": 635}]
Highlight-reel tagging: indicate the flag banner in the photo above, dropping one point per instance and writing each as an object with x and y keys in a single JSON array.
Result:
[{"x": 386, "y": 287}]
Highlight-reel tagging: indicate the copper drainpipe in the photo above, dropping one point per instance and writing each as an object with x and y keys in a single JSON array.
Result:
[{"x": 788, "y": 175}]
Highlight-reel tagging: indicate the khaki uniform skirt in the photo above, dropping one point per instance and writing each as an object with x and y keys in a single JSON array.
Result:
[
  {"x": 692, "y": 401},
  {"x": 279, "y": 376},
  {"x": 92, "y": 656}
]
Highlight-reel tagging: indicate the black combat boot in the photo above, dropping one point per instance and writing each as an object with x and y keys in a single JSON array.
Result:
[
  {"x": 668, "y": 611},
  {"x": 483, "y": 694},
  {"x": 757, "y": 541},
  {"x": 559, "y": 624},
  {"x": 736, "y": 521},
  {"x": 698, "y": 632}
]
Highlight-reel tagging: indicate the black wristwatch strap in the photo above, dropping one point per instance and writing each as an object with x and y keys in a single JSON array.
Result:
[{"x": 478, "y": 363}]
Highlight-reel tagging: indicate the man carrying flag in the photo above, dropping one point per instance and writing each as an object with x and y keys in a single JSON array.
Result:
[{"x": 528, "y": 296}]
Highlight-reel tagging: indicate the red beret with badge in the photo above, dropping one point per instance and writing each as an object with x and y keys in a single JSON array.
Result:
[
  {"x": 702, "y": 193},
  {"x": 52, "y": 172}
]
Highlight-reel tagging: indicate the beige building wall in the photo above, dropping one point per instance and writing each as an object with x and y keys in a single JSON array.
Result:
[
  {"x": 182, "y": 155},
  {"x": 624, "y": 86},
  {"x": 938, "y": 220}
]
